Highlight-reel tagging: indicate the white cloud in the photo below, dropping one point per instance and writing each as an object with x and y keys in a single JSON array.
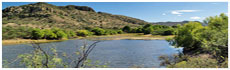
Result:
[
  {"x": 182, "y": 11},
  {"x": 195, "y": 18},
  {"x": 175, "y": 12},
  {"x": 163, "y": 14}
]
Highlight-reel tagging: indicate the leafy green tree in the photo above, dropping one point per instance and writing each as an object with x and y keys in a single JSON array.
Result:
[
  {"x": 83, "y": 33},
  {"x": 139, "y": 30},
  {"x": 126, "y": 29},
  {"x": 61, "y": 35},
  {"x": 98, "y": 31},
  {"x": 49, "y": 34},
  {"x": 210, "y": 39},
  {"x": 148, "y": 30},
  {"x": 214, "y": 37},
  {"x": 70, "y": 33},
  {"x": 37, "y": 34},
  {"x": 119, "y": 31},
  {"x": 147, "y": 26},
  {"x": 134, "y": 30},
  {"x": 185, "y": 37}
]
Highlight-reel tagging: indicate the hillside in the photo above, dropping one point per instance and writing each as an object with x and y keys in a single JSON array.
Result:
[{"x": 44, "y": 16}]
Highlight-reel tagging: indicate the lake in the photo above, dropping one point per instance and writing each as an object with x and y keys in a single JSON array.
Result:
[{"x": 117, "y": 53}]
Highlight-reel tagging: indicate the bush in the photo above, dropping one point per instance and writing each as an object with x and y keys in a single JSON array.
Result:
[
  {"x": 119, "y": 31},
  {"x": 9, "y": 32},
  {"x": 49, "y": 34},
  {"x": 126, "y": 29},
  {"x": 111, "y": 32},
  {"x": 197, "y": 62},
  {"x": 98, "y": 31},
  {"x": 211, "y": 39},
  {"x": 83, "y": 33},
  {"x": 70, "y": 33},
  {"x": 61, "y": 35},
  {"x": 134, "y": 30},
  {"x": 37, "y": 34},
  {"x": 148, "y": 30}
]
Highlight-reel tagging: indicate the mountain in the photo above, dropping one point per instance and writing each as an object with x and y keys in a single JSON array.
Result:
[{"x": 44, "y": 16}]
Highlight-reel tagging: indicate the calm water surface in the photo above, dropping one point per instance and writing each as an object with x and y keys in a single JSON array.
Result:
[{"x": 118, "y": 53}]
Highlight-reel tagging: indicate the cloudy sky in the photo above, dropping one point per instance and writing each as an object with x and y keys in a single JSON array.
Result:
[{"x": 151, "y": 11}]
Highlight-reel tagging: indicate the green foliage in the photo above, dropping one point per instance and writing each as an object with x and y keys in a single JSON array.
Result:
[
  {"x": 37, "y": 34},
  {"x": 119, "y": 31},
  {"x": 139, "y": 30},
  {"x": 185, "y": 37},
  {"x": 98, "y": 31},
  {"x": 54, "y": 33},
  {"x": 197, "y": 39},
  {"x": 9, "y": 32},
  {"x": 49, "y": 34},
  {"x": 83, "y": 33},
  {"x": 126, "y": 29},
  {"x": 61, "y": 35},
  {"x": 148, "y": 30},
  {"x": 111, "y": 32},
  {"x": 133, "y": 30},
  {"x": 185, "y": 61},
  {"x": 70, "y": 33},
  {"x": 147, "y": 26}
]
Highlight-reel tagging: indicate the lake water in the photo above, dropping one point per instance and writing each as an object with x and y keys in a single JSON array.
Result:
[{"x": 117, "y": 53}]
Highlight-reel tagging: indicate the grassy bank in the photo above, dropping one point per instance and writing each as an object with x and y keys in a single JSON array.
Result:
[
  {"x": 131, "y": 36},
  {"x": 23, "y": 41}
]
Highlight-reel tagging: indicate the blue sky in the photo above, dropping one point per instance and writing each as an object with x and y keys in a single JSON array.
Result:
[{"x": 150, "y": 11}]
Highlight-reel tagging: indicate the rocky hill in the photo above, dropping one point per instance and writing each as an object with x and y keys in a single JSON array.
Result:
[{"x": 44, "y": 15}]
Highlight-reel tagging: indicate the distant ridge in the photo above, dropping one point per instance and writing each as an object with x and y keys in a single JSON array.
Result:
[{"x": 44, "y": 15}]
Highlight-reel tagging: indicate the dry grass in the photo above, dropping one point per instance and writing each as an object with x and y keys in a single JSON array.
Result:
[
  {"x": 130, "y": 36},
  {"x": 23, "y": 41}
]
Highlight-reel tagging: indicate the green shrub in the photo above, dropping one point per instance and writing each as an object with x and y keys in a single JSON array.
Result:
[
  {"x": 111, "y": 32},
  {"x": 197, "y": 62},
  {"x": 83, "y": 33},
  {"x": 148, "y": 30},
  {"x": 61, "y": 35},
  {"x": 119, "y": 31},
  {"x": 37, "y": 34},
  {"x": 70, "y": 33},
  {"x": 126, "y": 29},
  {"x": 98, "y": 31},
  {"x": 49, "y": 34}
]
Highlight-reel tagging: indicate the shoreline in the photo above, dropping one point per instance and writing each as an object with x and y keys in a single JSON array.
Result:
[
  {"x": 129, "y": 36},
  {"x": 25, "y": 41}
]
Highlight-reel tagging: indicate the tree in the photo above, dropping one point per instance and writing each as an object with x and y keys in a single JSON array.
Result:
[
  {"x": 186, "y": 37},
  {"x": 139, "y": 30},
  {"x": 49, "y": 34},
  {"x": 83, "y": 33},
  {"x": 70, "y": 33},
  {"x": 148, "y": 30},
  {"x": 98, "y": 31},
  {"x": 134, "y": 30},
  {"x": 61, "y": 35},
  {"x": 119, "y": 31},
  {"x": 215, "y": 36},
  {"x": 126, "y": 29},
  {"x": 37, "y": 34},
  {"x": 147, "y": 25}
]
